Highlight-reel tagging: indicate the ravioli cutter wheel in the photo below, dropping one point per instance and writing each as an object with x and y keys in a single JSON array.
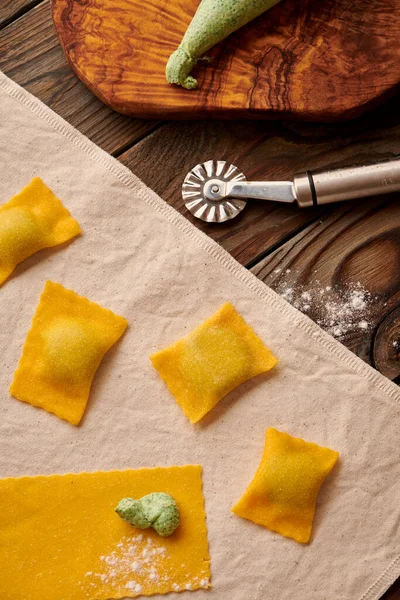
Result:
[{"x": 216, "y": 191}]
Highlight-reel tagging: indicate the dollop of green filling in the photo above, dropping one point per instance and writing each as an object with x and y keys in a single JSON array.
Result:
[{"x": 157, "y": 510}]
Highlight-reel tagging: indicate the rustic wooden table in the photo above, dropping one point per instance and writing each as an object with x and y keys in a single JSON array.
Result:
[{"x": 340, "y": 264}]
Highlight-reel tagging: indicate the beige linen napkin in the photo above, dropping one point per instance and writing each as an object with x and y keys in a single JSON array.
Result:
[{"x": 143, "y": 260}]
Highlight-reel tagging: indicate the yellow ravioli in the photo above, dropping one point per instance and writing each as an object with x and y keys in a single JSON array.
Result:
[
  {"x": 283, "y": 493},
  {"x": 32, "y": 220},
  {"x": 61, "y": 539},
  {"x": 216, "y": 357},
  {"x": 67, "y": 341}
]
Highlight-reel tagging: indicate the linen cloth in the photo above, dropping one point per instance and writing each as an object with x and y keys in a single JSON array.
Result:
[{"x": 140, "y": 258}]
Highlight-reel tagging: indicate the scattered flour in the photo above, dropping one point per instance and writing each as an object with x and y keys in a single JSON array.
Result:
[
  {"x": 135, "y": 566},
  {"x": 130, "y": 558},
  {"x": 338, "y": 311},
  {"x": 134, "y": 561},
  {"x": 135, "y": 587}
]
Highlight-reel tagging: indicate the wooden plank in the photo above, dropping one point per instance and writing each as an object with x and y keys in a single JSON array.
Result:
[
  {"x": 12, "y": 9},
  {"x": 262, "y": 151},
  {"x": 393, "y": 593},
  {"x": 31, "y": 55},
  {"x": 343, "y": 271}
]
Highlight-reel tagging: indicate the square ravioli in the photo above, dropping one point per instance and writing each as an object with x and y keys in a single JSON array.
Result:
[
  {"x": 63, "y": 349},
  {"x": 32, "y": 220},
  {"x": 210, "y": 362},
  {"x": 62, "y": 540},
  {"x": 283, "y": 494}
]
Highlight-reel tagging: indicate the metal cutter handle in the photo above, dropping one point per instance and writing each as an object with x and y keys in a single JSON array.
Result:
[
  {"x": 216, "y": 191},
  {"x": 323, "y": 187}
]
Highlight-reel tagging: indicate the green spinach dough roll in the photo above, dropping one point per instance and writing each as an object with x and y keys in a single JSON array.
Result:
[{"x": 214, "y": 21}]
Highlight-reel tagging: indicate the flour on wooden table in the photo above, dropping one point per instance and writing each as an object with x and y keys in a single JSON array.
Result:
[{"x": 337, "y": 310}]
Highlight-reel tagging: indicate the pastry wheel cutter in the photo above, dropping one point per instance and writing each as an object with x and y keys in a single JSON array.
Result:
[{"x": 216, "y": 191}]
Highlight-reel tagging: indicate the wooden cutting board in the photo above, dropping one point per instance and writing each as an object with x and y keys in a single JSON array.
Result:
[{"x": 307, "y": 59}]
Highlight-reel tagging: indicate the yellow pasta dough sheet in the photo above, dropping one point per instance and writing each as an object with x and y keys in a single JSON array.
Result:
[
  {"x": 220, "y": 354},
  {"x": 32, "y": 220},
  {"x": 283, "y": 494},
  {"x": 63, "y": 349},
  {"x": 60, "y": 538}
]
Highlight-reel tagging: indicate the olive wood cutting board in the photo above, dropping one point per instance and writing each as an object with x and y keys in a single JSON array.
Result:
[{"x": 319, "y": 60}]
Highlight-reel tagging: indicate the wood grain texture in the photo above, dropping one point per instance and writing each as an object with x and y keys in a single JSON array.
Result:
[
  {"x": 311, "y": 60},
  {"x": 13, "y": 9},
  {"x": 386, "y": 347},
  {"x": 262, "y": 150},
  {"x": 357, "y": 245},
  {"x": 31, "y": 55}
]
